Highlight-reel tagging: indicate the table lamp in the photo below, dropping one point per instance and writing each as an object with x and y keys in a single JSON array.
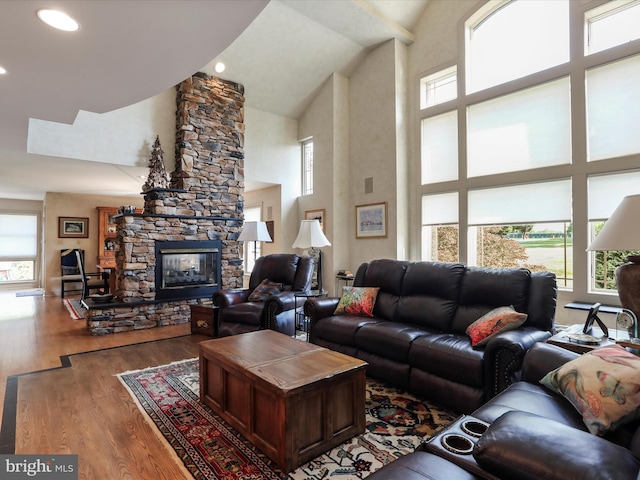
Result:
[
  {"x": 255, "y": 232},
  {"x": 310, "y": 236},
  {"x": 622, "y": 233}
]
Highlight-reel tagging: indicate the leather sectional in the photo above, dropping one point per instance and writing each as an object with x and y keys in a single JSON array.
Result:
[
  {"x": 416, "y": 339},
  {"x": 532, "y": 433}
]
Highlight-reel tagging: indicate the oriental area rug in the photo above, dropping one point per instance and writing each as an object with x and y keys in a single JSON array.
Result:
[
  {"x": 75, "y": 308},
  {"x": 168, "y": 396}
]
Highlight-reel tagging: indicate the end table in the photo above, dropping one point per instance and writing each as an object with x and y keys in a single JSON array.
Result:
[{"x": 302, "y": 322}]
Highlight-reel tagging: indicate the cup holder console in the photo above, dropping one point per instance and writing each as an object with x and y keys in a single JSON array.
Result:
[
  {"x": 473, "y": 427},
  {"x": 456, "y": 444}
]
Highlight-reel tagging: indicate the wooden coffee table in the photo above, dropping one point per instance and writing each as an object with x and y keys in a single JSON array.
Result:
[{"x": 293, "y": 400}]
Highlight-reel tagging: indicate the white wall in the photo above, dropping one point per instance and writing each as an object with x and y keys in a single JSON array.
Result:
[
  {"x": 272, "y": 156},
  {"x": 373, "y": 148},
  {"x": 123, "y": 137}
]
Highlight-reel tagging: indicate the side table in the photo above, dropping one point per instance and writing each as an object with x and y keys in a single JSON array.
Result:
[
  {"x": 204, "y": 320},
  {"x": 302, "y": 322},
  {"x": 561, "y": 340},
  {"x": 347, "y": 279}
]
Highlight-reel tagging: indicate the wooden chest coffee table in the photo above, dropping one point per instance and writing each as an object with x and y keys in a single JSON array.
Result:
[{"x": 293, "y": 400}]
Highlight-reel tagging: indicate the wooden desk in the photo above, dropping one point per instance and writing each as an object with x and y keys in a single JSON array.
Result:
[{"x": 291, "y": 399}]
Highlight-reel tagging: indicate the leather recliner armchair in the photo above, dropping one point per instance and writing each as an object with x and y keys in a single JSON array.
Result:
[{"x": 277, "y": 312}]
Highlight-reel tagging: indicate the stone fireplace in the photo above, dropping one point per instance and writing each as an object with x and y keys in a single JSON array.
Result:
[{"x": 200, "y": 211}]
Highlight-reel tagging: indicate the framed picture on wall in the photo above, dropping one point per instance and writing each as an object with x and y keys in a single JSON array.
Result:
[
  {"x": 316, "y": 215},
  {"x": 371, "y": 220},
  {"x": 73, "y": 227}
]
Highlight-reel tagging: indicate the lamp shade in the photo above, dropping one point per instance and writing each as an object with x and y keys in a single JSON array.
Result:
[
  {"x": 255, "y": 231},
  {"x": 622, "y": 231},
  {"x": 310, "y": 235}
]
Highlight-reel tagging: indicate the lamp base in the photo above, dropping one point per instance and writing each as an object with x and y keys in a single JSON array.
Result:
[{"x": 628, "y": 282}]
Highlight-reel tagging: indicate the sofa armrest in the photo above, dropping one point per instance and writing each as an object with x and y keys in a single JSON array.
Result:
[
  {"x": 317, "y": 308},
  {"x": 504, "y": 356},
  {"x": 543, "y": 357},
  {"x": 320, "y": 307},
  {"x": 226, "y": 298},
  {"x": 526, "y": 446},
  {"x": 280, "y": 303}
]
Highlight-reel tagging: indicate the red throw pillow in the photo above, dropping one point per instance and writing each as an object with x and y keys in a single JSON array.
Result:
[
  {"x": 490, "y": 324},
  {"x": 357, "y": 301},
  {"x": 265, "y": 290}
]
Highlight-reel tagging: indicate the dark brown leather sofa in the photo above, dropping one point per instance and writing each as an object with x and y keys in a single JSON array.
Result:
[
  {"x": 238, "y": 315},
  {"x": 534, "y": 433},
  {"x": 416, "y": 339}
]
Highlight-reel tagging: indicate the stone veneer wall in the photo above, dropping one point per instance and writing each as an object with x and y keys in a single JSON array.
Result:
[{"x": 205, "y": 202}]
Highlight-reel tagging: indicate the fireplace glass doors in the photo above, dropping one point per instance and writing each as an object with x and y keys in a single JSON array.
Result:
[{"x": 188, "y": 269}]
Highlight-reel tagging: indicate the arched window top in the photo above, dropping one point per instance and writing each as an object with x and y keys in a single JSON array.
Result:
[{"x": 509, "y": 40}]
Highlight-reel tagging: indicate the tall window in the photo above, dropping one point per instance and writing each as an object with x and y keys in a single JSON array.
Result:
[
  {"x": 605, "y": 194},
  {"x": 307, "y": 167},
  {"x": 540, "y": 145},
  {"x": 18, "y": 248},
  {"x": 252, "y": 250}
]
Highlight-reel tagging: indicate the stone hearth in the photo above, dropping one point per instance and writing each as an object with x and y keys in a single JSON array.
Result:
[{"x": 204, "y": 202}]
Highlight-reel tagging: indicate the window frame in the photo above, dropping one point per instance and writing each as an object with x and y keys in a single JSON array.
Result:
[
  {"x": 577, "y": 170},
  {"x": 307, "y": 166}
]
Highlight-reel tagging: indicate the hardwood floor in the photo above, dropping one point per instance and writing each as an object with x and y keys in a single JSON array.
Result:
[{"x": 73, "y": 403}]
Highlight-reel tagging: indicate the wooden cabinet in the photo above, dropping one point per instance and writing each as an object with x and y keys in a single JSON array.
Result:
[{"x": 107, "y": 237}]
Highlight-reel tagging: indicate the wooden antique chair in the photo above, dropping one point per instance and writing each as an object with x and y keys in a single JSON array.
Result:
[
  {"x": 91, "y": 281},
  {"x": 71, "y": 280}
]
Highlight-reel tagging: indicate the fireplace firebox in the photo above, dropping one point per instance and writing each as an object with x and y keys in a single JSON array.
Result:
[{"x": 187, "y": 269}]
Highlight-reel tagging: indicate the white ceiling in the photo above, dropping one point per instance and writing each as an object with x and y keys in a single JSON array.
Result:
[{"x": 130, "y": 50}]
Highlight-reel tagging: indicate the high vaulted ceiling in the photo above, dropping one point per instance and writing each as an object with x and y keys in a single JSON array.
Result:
[{"x": 130, "y": 50}]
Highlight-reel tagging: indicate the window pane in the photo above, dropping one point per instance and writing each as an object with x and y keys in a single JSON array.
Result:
[
  {"x": 545, "y": 202},
  {"x": 439, "y": 88},
  {"x": 613, "y": 96},
  {"x": 252, "y": 250},
  {"x": 605, "y": 194},
  {"x": 439, "y": 227},
  {"x": 18, "y": 235},
  {"x": 612, "y": 24},
  {"x": 517, "y": 39},
  {"x": 440, "y": 209},
  {"x": 524, "y": 130},
  {"x": 440, "y": 148},
  {"x": 538, "y": 247},
  {"x": 19, "y": 271},
  {"x": 440, "y": 244},
  {"x": 307, "y": 167}
]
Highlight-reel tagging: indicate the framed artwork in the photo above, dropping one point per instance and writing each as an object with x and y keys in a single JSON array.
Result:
[
  {"x": 371, "y": 220},
  {"x": 270, "y": 228},
  {"x": 73, "y": 227},
  {"x": 316, "y": 215}
]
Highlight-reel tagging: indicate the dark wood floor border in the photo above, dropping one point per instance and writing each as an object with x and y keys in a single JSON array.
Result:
[{"x": 10, "y": 409}]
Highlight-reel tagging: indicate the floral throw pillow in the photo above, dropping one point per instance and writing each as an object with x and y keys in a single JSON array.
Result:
[
  {"x": 490, "y": 324},
  {"x": 265, "y": 290},
  {"x": 603, "y": 385},
  {"x": 357, "y": 301}
]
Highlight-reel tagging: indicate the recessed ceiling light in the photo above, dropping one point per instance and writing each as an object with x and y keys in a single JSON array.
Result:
[
  {"x": 58, "y": 20},
  {"x": 3, "y": 71},
  {"x": 220, "y": 67}
]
